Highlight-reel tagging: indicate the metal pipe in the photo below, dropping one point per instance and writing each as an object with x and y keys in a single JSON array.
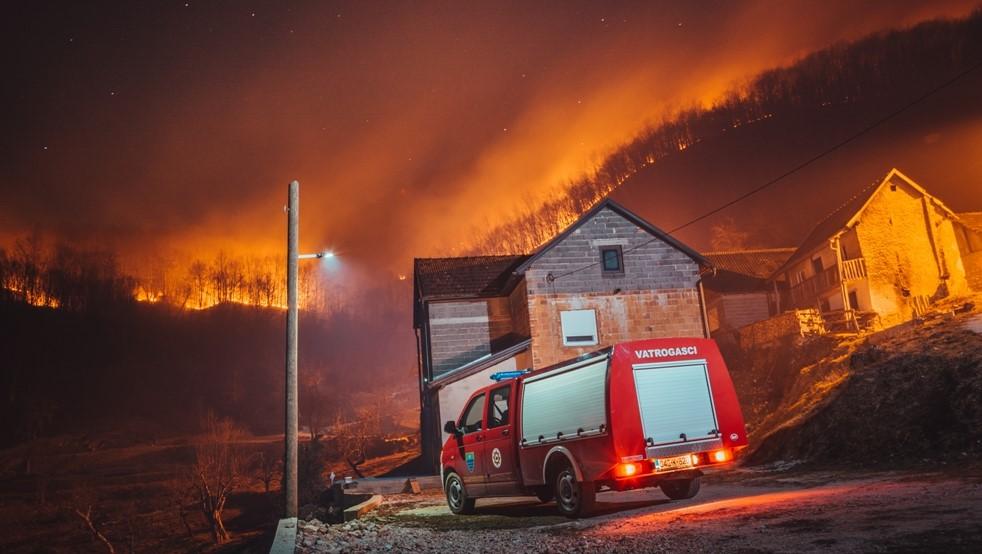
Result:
[{"x": 702, "y": 309}]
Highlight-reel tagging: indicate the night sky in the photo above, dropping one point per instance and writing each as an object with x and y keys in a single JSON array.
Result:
[{"x": 175, "y": 126}]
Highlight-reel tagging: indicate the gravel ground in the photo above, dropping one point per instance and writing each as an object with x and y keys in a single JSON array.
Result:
[{"x": 806, "y": 513}]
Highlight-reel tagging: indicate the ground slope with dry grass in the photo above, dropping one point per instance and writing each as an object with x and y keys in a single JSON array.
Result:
[{"x": 898, "y": 397}]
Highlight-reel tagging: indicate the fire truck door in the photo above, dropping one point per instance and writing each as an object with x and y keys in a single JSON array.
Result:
[
  {"x": 499, "y": 444},
  {"x": 471, "y": 465}
]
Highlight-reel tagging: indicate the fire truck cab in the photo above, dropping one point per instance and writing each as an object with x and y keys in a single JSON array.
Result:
[{"x": 646, "y": 413}]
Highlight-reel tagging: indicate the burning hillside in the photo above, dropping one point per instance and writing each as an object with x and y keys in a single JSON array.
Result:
[{"x": 715, "y": 150}]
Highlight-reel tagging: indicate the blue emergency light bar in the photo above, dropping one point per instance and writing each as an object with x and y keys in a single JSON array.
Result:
[{"x": 505, "y": 375}]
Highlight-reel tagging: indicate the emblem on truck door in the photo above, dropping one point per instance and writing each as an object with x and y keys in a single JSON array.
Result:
[
  {"x": 469, "y": 458},
  {"x": 496, "y": 457}
]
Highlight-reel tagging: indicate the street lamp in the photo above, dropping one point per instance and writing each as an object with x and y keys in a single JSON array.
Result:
[{"x": 292, "y": 418}]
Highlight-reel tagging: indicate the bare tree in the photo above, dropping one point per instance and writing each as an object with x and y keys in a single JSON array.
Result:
[
  {"x": 216, "y": 471},
  {"x": 726, "y": 236},
  {"x": 267, "y": 465},
  {"x": 198, "y": 281}
]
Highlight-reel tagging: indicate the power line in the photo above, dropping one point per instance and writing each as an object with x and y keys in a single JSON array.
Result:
[{"x": 802, "y": 165}]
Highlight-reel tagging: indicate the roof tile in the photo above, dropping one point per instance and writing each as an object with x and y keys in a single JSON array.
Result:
[
  {"x": 467, "y": 277},
  {"x": 759, "y": 263}
]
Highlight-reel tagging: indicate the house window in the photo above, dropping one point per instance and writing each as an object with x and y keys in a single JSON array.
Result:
[
  {"x": 817, "y": 266},
  {"x": 579, "y": 327},
  {"x": 612, "y": 260}
]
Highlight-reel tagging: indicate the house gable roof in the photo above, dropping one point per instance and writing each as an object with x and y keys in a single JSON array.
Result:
[
  {"x": 607, "y": 203},
  {"x": 465, "y": 277},
  {"x": 849, "y": 213}
]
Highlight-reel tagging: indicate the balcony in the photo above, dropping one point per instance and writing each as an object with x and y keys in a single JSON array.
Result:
[
  {"x": 853, "y": 269},
  {"x": 806, "y": 292}
]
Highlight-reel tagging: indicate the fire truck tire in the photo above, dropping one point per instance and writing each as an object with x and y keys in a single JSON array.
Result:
[
  {"x": 573, "y": 498},
  {"x": 457, "y": 498},
  {"x": 680, "y": 489},
  {"x": 544, "y": 494}
]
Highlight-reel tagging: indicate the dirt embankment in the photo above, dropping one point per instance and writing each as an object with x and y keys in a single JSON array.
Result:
[{"x": 904, "y": 395}]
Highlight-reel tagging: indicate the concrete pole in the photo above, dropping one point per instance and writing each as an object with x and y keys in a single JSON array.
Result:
[{"x": 290, "y": 456}]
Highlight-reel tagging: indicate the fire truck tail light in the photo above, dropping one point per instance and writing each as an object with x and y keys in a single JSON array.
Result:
[
  {"x": 626, "y": 470},
  {"x": 720, "y": 456}
]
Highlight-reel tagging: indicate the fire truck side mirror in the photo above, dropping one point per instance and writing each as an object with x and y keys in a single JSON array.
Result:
[{"x": 451, "y": 428}]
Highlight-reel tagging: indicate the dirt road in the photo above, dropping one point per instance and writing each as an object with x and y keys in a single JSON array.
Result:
[{"x": 809, "y": 512}]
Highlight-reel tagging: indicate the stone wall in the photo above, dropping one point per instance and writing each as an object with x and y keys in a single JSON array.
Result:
[
  {"x": 908, "y": 245},
  {"x": 791, "y": 323}
]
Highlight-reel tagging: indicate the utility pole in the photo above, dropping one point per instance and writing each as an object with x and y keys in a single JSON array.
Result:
[{"x": 292, "y": 256}]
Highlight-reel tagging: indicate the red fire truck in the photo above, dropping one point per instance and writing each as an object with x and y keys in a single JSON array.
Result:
[{"x": 638, "y": 414}]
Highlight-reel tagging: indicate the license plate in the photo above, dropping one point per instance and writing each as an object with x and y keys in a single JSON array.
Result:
[{"x": 668, "y": 464}]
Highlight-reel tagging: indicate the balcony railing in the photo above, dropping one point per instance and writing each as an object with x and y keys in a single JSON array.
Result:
[
  {"x": 806, "y": 292},
  {"x": 853, "y": 269}
]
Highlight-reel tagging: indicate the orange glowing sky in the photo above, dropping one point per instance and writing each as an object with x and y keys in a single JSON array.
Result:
[{"x": 175, "y": 129}]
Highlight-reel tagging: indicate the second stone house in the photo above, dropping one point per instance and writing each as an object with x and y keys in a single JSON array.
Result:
[
  {"x": 879, "y": 259},
  {"x": 609, "y": 277}
]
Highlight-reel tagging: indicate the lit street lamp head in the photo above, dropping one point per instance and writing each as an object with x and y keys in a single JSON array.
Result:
[{"x": 318, "y": 256}]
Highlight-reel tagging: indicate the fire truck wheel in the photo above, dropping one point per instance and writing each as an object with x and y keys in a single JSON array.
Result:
[
  {"x": 573, "y": 498},
  {"x": 680, "y": 489},
  {"x": 544, "y": 494},
  {"x": 457, "y": 496}
]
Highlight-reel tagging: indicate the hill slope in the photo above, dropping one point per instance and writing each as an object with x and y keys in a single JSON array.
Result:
[
  {"x": 96, "y": 370},
  {"x": 900, "y": 396}
]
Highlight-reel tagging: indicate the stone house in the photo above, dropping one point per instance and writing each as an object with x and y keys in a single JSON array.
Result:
[
  {"x": 609, "y": 277},
  {"x": 740, "y": 291},
  {"x": 880, "y": 258}
]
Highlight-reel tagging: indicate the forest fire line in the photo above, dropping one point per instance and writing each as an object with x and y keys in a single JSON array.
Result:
[
  {"x": 36, "y": 298},
  {"x": 64, "y": 276}
]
